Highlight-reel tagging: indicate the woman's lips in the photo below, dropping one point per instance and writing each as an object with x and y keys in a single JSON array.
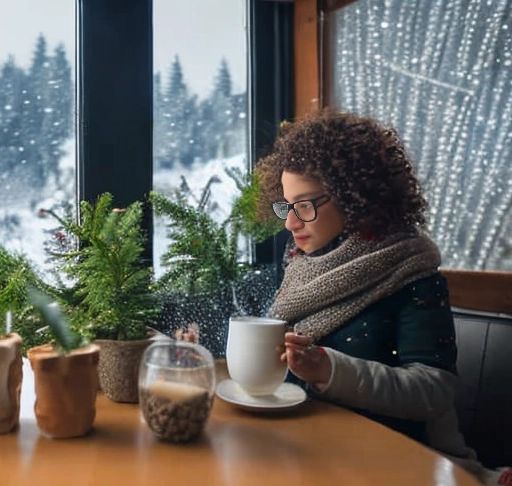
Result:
[{"x": 300, "y": 239}]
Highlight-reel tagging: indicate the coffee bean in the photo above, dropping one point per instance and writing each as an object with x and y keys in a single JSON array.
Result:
[{"x": 175, "y": 420}]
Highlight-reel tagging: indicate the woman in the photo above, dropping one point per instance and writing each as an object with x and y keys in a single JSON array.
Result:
[{"x": 372, "y": 324}]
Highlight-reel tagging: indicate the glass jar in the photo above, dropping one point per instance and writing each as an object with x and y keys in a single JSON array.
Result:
[{"x": 176, "y": 389}]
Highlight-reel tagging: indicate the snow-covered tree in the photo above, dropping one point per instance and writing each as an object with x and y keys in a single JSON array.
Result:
[
  {"x": 180, "y": 113},
  {"x": 12, "y": 81}
]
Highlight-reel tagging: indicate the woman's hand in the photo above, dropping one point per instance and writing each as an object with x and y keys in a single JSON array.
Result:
[{"x": 305, "y": 360}]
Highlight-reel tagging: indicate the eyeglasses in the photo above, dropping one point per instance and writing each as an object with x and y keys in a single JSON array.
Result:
[{"x": 305, "y": 210}]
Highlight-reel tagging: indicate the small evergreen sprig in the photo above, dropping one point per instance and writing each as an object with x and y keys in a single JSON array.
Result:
[
  {"x": 111, "y": 295},
  {"x": 244, "y": 213},
  {"x": 203, "y": 253}
]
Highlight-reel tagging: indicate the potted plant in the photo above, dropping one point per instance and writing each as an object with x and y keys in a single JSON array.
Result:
[
  {"x": 65, "y": 376},
  {"x": 15, "y": 312},
  {"x": 11, "y": 376},
  {"x": 203, "y": 268},
  {"x": 107, "y": 291}
]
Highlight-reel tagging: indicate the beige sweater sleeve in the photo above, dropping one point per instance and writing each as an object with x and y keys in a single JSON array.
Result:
[{"x": 414, "y": 392}]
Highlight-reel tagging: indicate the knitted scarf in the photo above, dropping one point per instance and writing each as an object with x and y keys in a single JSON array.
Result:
[{"x": 319, "y": 294}]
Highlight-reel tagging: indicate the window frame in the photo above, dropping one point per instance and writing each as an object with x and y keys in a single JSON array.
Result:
[{"x": 488, "y": 291}]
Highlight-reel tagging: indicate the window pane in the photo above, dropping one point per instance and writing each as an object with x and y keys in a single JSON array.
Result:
[
  {"x": 441, "y": 73},
  {"x": 200, "y": 130},
  {"x": 37, "y": 153},
  {"x": 200, "y": 113}
]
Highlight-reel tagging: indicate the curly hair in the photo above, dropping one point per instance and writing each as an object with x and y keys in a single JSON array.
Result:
[{"x": 360, "y": 164}]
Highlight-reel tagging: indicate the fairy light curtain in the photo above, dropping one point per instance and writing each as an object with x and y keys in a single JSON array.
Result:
[{"x": 440, "y": 72}]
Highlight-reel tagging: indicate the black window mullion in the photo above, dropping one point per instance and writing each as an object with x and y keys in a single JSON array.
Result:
[
  {"x": 115, "y": 101},
  {"x": 270, "y": 92}
]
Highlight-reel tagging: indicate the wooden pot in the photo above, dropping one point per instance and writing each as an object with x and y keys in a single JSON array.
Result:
[
  {"x": 118, "y": 368},
  {"x": 11, "y": 376},
  {"x": 66, "y": 387}
]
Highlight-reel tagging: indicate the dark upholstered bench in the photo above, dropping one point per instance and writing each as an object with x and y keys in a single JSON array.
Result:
[{"x": 485, "y": 366}]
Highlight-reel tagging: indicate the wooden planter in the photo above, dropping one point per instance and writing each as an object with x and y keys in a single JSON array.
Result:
[
  {"x": 66, "y": 387},
  {"x": 118, "y": 368},
  {"x": 11, "y": 375}
]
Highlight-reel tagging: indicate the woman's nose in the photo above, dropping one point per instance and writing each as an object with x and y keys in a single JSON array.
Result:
[{"x": 292, "y": 221}]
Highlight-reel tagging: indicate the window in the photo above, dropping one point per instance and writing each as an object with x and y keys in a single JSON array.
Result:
[
  {"x": 443, "y": 79},
  {"x": 440, "y": 73},
  {"x": 117, "y": 71},
  {"x": 37, "y": 142},
  {"x": 199, "y": 101}
]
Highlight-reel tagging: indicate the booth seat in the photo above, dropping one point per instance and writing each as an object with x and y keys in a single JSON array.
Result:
[{"x": 484, "y": 365}]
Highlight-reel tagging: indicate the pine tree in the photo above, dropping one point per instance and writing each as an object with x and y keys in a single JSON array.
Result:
[
  {"x": 218, "y": 110},
  {"x": 238, "y": 135},
  {"x": 12, "y": 80},
  {"x": 210, "y": 134},
  {"x": 223, "y": 83},
  {"x": 59, "y": 111},
  {"x": 179, "y": 113},
  {"x": 160, "y": 149},
  {"x": 47, "y": 112},
  {"x": 35, "y": 100},
  {"x": 111, "y": 296}
]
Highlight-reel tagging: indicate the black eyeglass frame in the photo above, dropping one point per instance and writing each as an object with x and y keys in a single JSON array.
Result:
[{"x": 290, "y": 206}]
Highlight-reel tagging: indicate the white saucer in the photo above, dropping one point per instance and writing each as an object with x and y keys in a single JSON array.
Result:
[{"x": 285, "y": 397}]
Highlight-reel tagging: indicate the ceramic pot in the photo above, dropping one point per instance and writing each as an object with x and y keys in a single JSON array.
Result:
[
  {"x": 11, "y": 376},
  {"x": 118, "y": 368},
  {"x": 66, "y": 386}
]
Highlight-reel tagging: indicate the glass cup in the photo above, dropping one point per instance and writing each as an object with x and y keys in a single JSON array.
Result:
[{"x": 176, "y": 389}]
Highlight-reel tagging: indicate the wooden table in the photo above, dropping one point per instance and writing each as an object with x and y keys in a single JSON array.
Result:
[{"x": 315, "y": 444}]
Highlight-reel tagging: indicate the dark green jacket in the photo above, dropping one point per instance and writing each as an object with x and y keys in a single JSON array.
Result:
[{"x": 414, "y": 325}]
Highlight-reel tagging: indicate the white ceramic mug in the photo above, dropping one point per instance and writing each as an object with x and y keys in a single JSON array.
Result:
[{"x": 253, "y": 353}]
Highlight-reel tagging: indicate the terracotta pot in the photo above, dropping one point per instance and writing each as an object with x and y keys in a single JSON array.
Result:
[
  {"x": 118, "y": 368},
  {"x": 11, "y": 375},
  {"x": 66, "y": 387}
]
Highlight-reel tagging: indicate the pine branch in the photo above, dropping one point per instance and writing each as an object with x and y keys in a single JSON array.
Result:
[{"x": 203, "y": 253}]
